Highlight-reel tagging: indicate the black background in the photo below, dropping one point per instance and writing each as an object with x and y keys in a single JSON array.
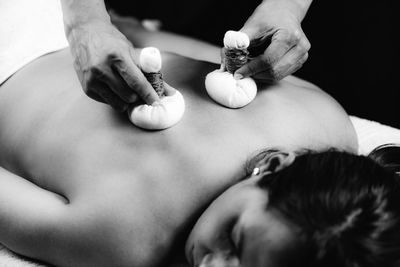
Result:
[{"x": 354, "y": 54}]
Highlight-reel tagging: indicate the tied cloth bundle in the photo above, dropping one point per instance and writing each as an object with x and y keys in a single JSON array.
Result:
[
  {"x": 235, "y": 58},
  {"x": 156, "y": 81}
]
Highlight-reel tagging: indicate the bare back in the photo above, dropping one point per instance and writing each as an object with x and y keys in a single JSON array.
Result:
[{"x": 140, "y": 189}]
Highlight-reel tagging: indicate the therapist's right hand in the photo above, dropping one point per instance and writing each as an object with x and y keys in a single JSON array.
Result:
[{"x": 107, "y": 66}]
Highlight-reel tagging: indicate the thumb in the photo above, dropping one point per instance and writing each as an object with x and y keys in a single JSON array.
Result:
[
  {"x": 252, "y": 67},
  {"x": 255, "y": 36},
  {"x": 250, "y": 32}
]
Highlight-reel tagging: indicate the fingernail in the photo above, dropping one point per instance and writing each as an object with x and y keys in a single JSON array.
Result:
[{"x": 238, "y": 76}]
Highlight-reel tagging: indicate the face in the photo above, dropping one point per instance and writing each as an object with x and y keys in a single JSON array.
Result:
[{"x": 238, "y": 229}]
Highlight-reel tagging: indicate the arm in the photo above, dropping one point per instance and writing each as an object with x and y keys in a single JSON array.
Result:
[
  {"x": 78, "y": 12},
  {"x": 28, "y": 216},
  {"x": 105, "y": 61},
  {"x": 277, "y": 21},
  {"x": 299, "y": 7}
]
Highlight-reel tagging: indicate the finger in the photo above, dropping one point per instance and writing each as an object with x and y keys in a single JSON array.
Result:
[
  {"x": 254, "y": 35},
  {"x": 110, "y": 97},
  {"x": 251, "y": 32},
  {"x": 103, "y": 73},
  {"x": 265, "y": 77},
  {"x": 117, "y": 84},
  {"x": 95, "y": 96},
  {"x": 298, "y": 63},
  {"x": 222, "y": 54},
  {"x": 135, "y": 79},
  {"x": 280, "y": 72},
  {"x": 222, "y": 67},
  {"x": 290, "y": 62},
  {"x": 282, "y": 41},
  {"x": 169, "y": 90},
  {"x": 256, "y": 65},
  {"x": 91, "y": 87}
]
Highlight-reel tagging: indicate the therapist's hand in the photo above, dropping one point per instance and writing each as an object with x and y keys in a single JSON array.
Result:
[
  {"x": 106, "y": 64},
  {"x": 277, "y": 22}
]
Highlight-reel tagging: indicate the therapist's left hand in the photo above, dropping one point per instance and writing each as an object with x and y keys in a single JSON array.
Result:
[{"x": 277, "y": 22}]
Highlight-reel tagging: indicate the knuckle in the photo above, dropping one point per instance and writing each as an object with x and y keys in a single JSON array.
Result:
[
  {"x": 97, "y": 72},
  {"x": 129, "y": 73},
  {"x": 137, "y": 83},
  {"x": 147, "y": 95},
  {"x": 295, "y": 36},
  {"x": 288, "y": 38},
  {"x": 304, "y": 45},
  {"x": 281, "y": 36},
  {"x": 127, "y": 95},
  {"x": 303, "y": 59},
  {"x": 113, "y": 57},
  {"x": 307, "y": 44},
  {"x": 296, "y": 69},
  {"x": 137, "y": 86},
  {"x": 119, "y": 57},
  {"x": 132, "y": 98},
  {"x": 122, "y": 70}
]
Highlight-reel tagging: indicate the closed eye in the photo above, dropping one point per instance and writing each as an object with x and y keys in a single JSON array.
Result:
[{"x": 237, "y": 239}]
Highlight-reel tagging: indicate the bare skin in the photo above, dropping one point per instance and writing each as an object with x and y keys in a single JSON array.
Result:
[{"x": 81, "y": 186}]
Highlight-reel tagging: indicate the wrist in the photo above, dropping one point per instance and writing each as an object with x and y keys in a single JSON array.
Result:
[
  {"x": 78, "y": 13},
  {"x": 78, "y": 23},
  {"x": 297, "y": 8}
]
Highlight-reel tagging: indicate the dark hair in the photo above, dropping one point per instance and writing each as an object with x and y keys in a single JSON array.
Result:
[{"x": 347, "y": 207}]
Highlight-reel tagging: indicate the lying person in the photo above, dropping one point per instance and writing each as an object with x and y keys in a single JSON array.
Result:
[{"x": 81, "y": 186}]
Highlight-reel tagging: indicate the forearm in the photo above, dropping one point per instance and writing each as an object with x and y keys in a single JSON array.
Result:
[
  {"x": 78, "y": 12},
  {"x": 298, "y": 7}
]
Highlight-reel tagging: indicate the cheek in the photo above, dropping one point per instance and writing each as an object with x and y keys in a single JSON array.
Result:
[
  {"x": 213, "y": 229},
  {"x": 214, "y": 248},
  {"x": 210, "y": 225}
]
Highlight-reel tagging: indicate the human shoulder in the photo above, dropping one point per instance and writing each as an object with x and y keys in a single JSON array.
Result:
[{"x": 313, "y": 117}]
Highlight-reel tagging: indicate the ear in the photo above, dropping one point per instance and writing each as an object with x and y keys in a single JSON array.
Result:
[
  {"x": 275, "y": 161},
  {"x": 387, "y": 155}
]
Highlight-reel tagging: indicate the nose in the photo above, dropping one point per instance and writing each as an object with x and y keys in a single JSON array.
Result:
[{"x": 219, "y": 259}]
